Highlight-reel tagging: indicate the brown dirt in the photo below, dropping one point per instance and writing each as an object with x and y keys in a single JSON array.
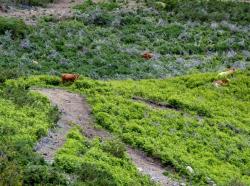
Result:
[
  {"x": 155, "y": 104},
  {"x": 60, "y": 9},
  {"x": 74, "y": 109}
]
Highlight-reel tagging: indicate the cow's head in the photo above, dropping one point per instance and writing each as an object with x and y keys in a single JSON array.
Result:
[
  {"x": 232, "y": 69},
  {"x": 225, "y": 81},
  {"x": 77, "y": 76}
]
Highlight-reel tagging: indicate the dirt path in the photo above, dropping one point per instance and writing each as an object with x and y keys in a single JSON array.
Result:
[
  {"x": 60, "y": 9},
  {"x": 74, "y": 109}
]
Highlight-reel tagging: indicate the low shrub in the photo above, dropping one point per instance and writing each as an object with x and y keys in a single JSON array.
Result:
[
  {"x": 16, "y": 26},
  {"x": 96, "y": 175},
  {"x": 10, "y": 172},
  {"x": 114, "y": 147},
  {"x": 43, "y": 175},
  {"x": 6, "y": 73}
]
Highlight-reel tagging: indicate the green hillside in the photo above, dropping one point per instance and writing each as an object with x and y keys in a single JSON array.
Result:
[
  {"x": 25, "y": 117},
  {"x": 107, "y": 40},
  {"x": 166, "y": 106},
  {"x": 198, "y": 125}
]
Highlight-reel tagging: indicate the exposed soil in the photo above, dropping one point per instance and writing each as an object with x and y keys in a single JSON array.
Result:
[
  {"x": 151, "y": 167},
  {"x": 155, "y": 104},
  {"x": 61, "y": 9},
  {"x": 74, "y": 109}
]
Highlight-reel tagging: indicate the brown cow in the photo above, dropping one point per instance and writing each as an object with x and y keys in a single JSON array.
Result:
[
  {"x": 69, "y": 77},
  {"x": 147, "y": 55}
]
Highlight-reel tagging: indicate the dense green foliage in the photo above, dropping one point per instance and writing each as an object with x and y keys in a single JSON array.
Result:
[
  {"x": 95, "y": 165},
  {"x": 24, "y": 117},
  {"x": 106, "y": 40},
  {"x": 209, "y": 131},
  {"x": 184, "y": 121},
  {"x": 203, "y": 126},
  {"x": 203, "y": 10},
  {"x": 15, "y": 26}
]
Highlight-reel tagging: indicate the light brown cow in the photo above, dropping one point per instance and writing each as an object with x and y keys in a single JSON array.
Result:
[
  {"x": 69, "y": 77},
  {"x": 222, "y": 82},
  {"x": 224, "y": 75}
]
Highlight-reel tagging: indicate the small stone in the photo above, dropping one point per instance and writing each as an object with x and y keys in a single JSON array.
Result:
[
  {"x": 35, "y": 62},
  {"x": 190, "y": 169},
  {"x": 139, "y": 169}
]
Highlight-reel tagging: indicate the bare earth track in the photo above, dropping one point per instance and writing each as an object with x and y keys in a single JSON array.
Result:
[
  {"x": 61, "y": 9},
  {"x": 74, "y": 109}
]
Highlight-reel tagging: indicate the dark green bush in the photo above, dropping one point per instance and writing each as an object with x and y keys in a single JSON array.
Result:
[
  {"x": 43, "y": 175},
  {"x": 10, "y": 173},
  {"x": 19, "y": 95},
  {"x": 6, "y": 73},
  {"x": 96, "y": 175},
  {"x": 235, "y": 182},
  {"x": 114, "y": 147},
  {"x": 16, "y": 26},
  {"x": 211, "y": 10}
]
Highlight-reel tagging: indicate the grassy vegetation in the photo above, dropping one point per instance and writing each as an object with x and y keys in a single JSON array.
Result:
[
  {"x": 24, "y": 118},
  {"x": 184, "y": 121},
  {"x": 27, "y": 116},
  {"x": 207, "y": 129},
  {"x": 98, "y": 163},
  {"x": 106, "y": 41},
  {"x": 207, "y": 11},
  {"x": 13, "y": 26}
]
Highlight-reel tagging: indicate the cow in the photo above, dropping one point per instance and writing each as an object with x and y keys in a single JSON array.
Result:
[
  {"x": 69, "y": 77},
  {"x": 219, "y": 83},
  {"x": 147, "y": 55},
  {"x": 226, "y": 74}
]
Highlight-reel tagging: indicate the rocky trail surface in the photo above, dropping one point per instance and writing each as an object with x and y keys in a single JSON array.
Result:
[{"x": 75, "y": 110}]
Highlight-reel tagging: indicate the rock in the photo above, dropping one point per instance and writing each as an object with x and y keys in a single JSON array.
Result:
[
  {"x": 214, "y": 25},
  {"x": 190, "y": 169},
  {"x": 35, "y": 62},
  {"x": 210, "y": 181},
  {"x": 246, "y": 53},
  {"x": 139, "y": 169}
]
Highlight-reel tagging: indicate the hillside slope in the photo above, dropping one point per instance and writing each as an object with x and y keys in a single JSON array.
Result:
[
  {"x": 184, "y": 121},
  {"x": 107, "y": 40},
  {"x": 146, "y": 69},
  {"x": 27, "y": 116}
]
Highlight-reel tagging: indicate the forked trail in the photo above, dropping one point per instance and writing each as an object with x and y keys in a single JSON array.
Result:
[{"x": 74, "y": 109}]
